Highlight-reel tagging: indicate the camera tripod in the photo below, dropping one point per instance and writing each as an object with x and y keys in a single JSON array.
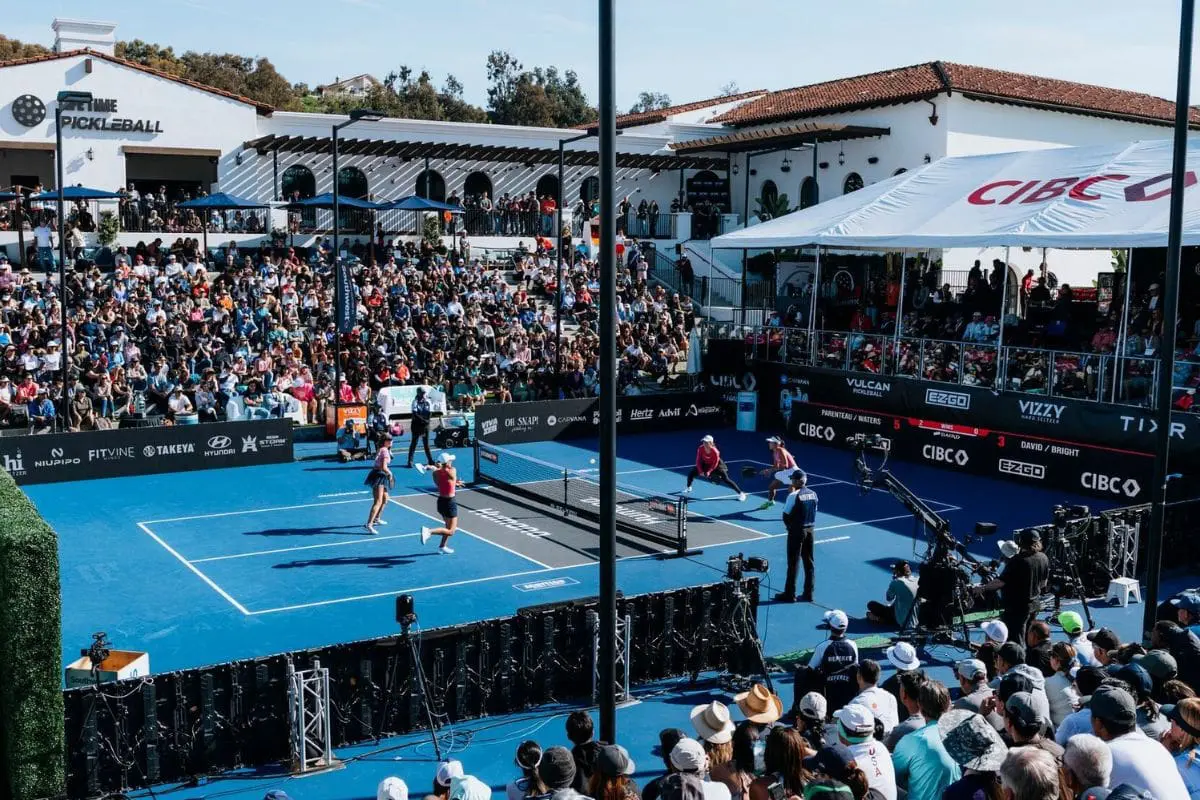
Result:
[
  {"x": 922, "y": 635},
  {"x": 735, "y": 629},
  {"x": 1069, "y": 585},
  {"x": 414, "y": 650}
]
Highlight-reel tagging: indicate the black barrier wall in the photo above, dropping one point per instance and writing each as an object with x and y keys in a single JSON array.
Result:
[
  {"x": 50, "y": 458},
  {"x": 1074, "y": 446},
  {"x": 172, "y": 727},
  {"x": 549, "y": 420}
]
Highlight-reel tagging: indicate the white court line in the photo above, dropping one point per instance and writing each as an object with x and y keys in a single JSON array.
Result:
[
  {"x": 344, "y": 494},
  {"x": 472, "y": 535},
  {"x": 832, "y": 480},
  {"x": 263, "y": 510},
  {"x": 363, "y": 540},
  {"x": 194, "y": 569}
]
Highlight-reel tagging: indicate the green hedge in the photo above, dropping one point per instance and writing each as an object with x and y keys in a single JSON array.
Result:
[{"x": 31, "y": 703}]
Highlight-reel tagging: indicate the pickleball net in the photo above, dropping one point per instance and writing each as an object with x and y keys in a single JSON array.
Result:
[{"x": 660, "y": 520}]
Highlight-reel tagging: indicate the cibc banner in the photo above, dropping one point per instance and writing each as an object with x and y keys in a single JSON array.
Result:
[
  {"x": 1119, "y": 475},
  {"x": 551, "y": 420},
  {"x": 55, "y": 457}
]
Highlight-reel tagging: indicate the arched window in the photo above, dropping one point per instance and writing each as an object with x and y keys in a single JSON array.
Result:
[
  {"x": 853, "y": 183},
  {"x": 431, "y": 186},
  {"x": 547, "y": 186},
  {"x": 808, "y": 193},
  {"x": 352, "y": 183},
  {"x": 297, "y": 180},
  {"x": 589, "y": 189},
  {"x": 769, "y": 193},
  {"x": 900, "y": 171},
  {"x": 477, "y": 184}
]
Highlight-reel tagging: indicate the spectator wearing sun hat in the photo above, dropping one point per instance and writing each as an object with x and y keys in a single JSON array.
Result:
[
  {"x": 712, "y": 723},
  {"x": 978, "y": 750},
  {"x": 759, "y": 705},
  {"x": 902, "y": 656},
  {"x": 391, "y": 789}
]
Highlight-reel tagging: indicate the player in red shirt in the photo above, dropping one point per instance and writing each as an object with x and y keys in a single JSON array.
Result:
[
  {"x": 445, "y": 477},
  {"x": 710, "y": 465},
  {"x": 783, "y": 464}
]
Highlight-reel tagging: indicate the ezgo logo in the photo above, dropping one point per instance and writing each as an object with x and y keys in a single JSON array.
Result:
[
  {"x": 1022, "y": 469},
  {"x": 489, "y": 426},
  {"x": 940, "y": 397},
  {"x": 816, "y": 431},
  {"x": 945, "y": 455},
  {"x": 1105, "y": 483}
]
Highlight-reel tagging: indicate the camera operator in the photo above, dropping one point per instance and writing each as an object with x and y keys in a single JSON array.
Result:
[
  {"x": 901, "y": 598},
  {"x": 799, "y": 517},
  {"x": 1022, "y": 581}
]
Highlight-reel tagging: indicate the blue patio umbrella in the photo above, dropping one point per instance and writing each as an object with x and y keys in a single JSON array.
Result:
[
  {"x": 77, "y": 193},
  {"x": 219, "y": 202},
  {"x": 416, "y": 203}
]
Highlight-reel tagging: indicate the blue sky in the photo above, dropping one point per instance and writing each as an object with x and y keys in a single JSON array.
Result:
[{"x": 686, "y": 48}]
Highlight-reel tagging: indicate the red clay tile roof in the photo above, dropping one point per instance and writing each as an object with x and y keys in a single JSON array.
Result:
[
  {"x": 922, "y": 81},
  {"x": 651, "y": 117},
  {"x": 263, "y": 108}
]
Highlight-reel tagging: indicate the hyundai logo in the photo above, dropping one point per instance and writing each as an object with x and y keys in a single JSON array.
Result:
[{"x": 219, "y": 442}]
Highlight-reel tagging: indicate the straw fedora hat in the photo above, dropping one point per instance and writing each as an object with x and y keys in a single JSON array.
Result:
[
  {"x": 712, "y": 722},
  {"x": 759, "y": 705}
]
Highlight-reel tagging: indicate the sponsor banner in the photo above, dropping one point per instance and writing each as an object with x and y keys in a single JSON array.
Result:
[
  {"x": 1061, "y": 419},
  {"x": 1035, "y": 460},
  {"x": 347, "y": 307},
  {"x": 52, "y": 458},
  {"x": 548, "y": 420}
]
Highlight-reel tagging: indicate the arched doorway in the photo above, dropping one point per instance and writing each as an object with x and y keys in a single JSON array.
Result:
[
  {"x": 297, "y": 182},
  {"x": 853, "y": 183},
  {"x": 547, "y": 186},
  {"x": 431, "y": 185},
  {"x": 808, "y": 193},
  {"x": 352, "y": 182},
  {"x": 768, "y": 201},
  {"x": 589, "y": 190},
  {"x": 477, "y": 184}
]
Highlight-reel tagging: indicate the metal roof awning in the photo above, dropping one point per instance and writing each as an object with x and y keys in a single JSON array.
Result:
[
  {"x": 781, "y": 138},
  {"x": 451, "y": 151}
]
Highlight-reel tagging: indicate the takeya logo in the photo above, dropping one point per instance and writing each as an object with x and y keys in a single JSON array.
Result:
[{"x": 1005, "y": 192}]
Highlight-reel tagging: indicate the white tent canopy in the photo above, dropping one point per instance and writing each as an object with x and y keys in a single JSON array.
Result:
[{"x": 1099, "y": 197}]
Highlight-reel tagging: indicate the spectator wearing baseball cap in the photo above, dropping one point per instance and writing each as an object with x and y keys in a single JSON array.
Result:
[
  {"x": 1072, "y": 625},
  {"x": 391, "y": 789},
  {"x": 995, "y": 633},
  {"x": 468, "y": 787},
  {"x": 1183, "y": 741},
  {"x": 1010, "y": 662},
  {"x": 1137, "y": 759},
  {"x": 836, "y": 763},
  {"x": 1186, "y": 608},
  {"x": 557, "y": 771},
  {"x": 447, "y": 771},
  {"x": 1104, "y": 645},
  {"x": 689, "y": 762},
  {"x": 833, "y": 667},
  {"x": 1183, "y": 645},
  {"x": 612, "y": 775},
  {"x": 667, "y": 739},
  {"x": 856, "y": 734},
  {"x": 922, "y": 764},
  {"x": 977, "y": 749},
  {"x": 975, "y": 692},
  {"x": 811, "y": 712},
  {"x": 1025, "y": 727}
]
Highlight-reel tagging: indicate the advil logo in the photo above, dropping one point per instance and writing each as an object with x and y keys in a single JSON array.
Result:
[{"x": 1005, "y": 192}]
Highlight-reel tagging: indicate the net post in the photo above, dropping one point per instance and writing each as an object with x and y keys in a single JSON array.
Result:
[
  {"x": 566, "y": 500},
  {"x": 681, "y": 540},
  {"x": 475, "y": 459}
]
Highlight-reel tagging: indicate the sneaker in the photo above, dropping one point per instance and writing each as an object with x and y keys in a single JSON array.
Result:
[
  {"x": 742, "y": 497},
  {"x": 766, "y": 505},
  {"x": 370, "y": 529},
  {"x": 445, "y": 550},
  {"x": 784, "y": 597},
  {"x": 688, "y": 490},
  {"x": 420, "y": 468},
  {"x": 805, "y": 598},
  {"x": 425, "y": 534},
  {"x": 381, "y": 522}
]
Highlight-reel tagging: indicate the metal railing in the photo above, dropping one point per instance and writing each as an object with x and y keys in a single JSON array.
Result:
[
  {"x": 660, "y": 225},
  {"x": 1094, "y": 377}
]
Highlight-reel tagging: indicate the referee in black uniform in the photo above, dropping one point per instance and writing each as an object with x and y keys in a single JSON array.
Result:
[{"x": 799, "y": 517}]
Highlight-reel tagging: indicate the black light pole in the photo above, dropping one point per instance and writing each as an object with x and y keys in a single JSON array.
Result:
[
  {"x": 562, "y": 143},
  {"x": 64, "y": 351},
  {"x": 358, "y": 114},
  {"x": 1170, "y": 308},
  {"x": 607, "y": 127}
]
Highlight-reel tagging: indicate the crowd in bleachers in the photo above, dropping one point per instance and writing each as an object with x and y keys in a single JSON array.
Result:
[
  {"x": 1029, "y": 716},
  {"x": 164, "y": 335}
]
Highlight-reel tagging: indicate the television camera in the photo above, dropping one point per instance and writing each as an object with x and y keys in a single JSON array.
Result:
[{"x": 948, "y": 569}]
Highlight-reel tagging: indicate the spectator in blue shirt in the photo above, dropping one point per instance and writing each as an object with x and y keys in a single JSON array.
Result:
[
  {"x": 921, "y": 761},
  {"x": 41, "y": 413}
]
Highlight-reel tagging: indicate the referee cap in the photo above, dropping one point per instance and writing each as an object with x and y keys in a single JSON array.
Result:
[
  {"x": 799, "y": 475},
  {"x": 445, "y": 458},
  {"x": 707, "y": 438}
]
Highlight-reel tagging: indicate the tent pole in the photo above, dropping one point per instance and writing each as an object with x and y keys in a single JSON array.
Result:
[
  {"x": 816, "y": 195},
  {"x": 1123, "y": 330},
  {"x": 1003, "y": 307},
  {"x": 812, "y": 312},
  {"x": 900, "y": 307},
  {"x": 1170, "y": 308}
]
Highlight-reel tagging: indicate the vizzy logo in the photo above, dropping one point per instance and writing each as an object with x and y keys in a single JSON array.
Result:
[
  {"x": 1022, "y": 469},
  {"x": 1107, "y": 483},
  {"x": 1041, "y": 412},
  {"x": 940, "y": 397},
  {"x": 945, "y": 455},
  {"x": 816, "y": 431}
]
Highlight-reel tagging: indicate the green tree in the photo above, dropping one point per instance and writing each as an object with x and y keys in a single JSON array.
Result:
[
  {"x": 151, "y": 55},
  {"x": 541, "y": 96},
  {"x": 13, "y": 49},
  {"x": 650, "y": 101}
]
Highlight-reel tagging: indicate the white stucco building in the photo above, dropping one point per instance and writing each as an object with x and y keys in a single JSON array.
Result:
[{"x": 148, "y": 128}]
